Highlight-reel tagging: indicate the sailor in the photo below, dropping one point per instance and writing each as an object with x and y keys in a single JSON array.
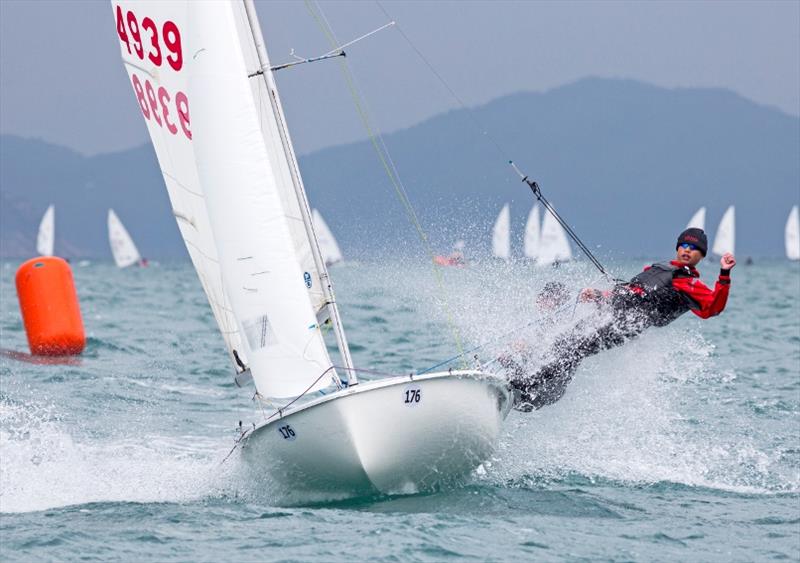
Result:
[{"x": 655, "y": 297}]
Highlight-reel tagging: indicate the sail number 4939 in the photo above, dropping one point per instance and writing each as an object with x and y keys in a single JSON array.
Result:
[{"x": 130, "y": 31}]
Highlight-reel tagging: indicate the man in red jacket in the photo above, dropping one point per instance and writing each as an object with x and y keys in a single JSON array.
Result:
[{"x": 655, "y": 297}]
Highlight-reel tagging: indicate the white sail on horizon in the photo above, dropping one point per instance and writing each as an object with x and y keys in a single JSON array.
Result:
[
  {"x": 792, "y": 235},
  {"x": 501, "y": 236},
  {"x": 725, "y": 239},
  {"x": 327, "y": 242},
  {"x": 122, "y": 247},
  {"x": 553, "y": 245},
  {"x": 532, "y": 240},
  {"x": 698, "y": 220},
  {"x": 46, "y": 236},
  {"x": 231, "y": 177}
]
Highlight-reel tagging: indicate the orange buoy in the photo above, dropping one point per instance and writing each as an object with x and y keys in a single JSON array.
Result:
[{"x": 49, "y": 305}]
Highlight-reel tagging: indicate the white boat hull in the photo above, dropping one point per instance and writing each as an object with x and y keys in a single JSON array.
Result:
[{"x": 394, "y": 436}]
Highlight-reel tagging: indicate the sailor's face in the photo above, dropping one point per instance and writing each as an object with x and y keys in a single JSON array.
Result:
[{"x": 688, "y": 255}]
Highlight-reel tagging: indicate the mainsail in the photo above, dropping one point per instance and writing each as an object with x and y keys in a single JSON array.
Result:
[
  {"x": 327, "y": 243},
  {"x": 698, "y": 220},
  {"x": 234, "y": 184},
  {"x": 46, "y": 238},
  {"x": 792, "y": 235},
  {"x": 553, "y": 246},
  {"x": 724, "y": 241},
  {"x": 501, "y": 238},
  {"x": 122, "y": 247},
  {"x": 532, "y": 234}
]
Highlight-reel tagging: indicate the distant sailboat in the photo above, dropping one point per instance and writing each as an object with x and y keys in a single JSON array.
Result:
[
  {"x": 532, "y": 239},
  {"x": 46, "y": 239},
  {"x": 724, "y": 241},
  {"x": 792, "y": 235},
  {"x": 501, "y": 237},
  {"x": 327, "y": 243},
  {"x": 553, "y": 246},
  {"x": 698, "y": 220},
  {"x": 122, "y": 246},
  {"x": 455, "y": 258}
]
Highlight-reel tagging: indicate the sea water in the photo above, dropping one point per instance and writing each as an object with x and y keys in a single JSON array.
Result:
[{"x": 682, "y": 445}]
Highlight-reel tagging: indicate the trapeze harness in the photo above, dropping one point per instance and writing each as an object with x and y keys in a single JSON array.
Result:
[{"x": 652, "y": 293}]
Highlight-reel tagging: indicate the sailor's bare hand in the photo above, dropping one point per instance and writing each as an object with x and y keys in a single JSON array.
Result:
[
  {"x": 588, "y": 294},
  {"x": 727, "y": 261}
]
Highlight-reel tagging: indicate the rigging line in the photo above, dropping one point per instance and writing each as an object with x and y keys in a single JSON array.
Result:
[
  {"x": 388, "y": 165},
  {"x": 538, "y": 193},
  {"x": 498, "y": 339},
  {"x": 470, "y": 112},
  {"x": 482, "y": 130}
]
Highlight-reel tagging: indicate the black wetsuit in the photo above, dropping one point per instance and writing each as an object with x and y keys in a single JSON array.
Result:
[{"x": 655, "y": 297}]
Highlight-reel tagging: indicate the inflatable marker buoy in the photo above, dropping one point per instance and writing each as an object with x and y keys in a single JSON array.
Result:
[{"x": 49, "y": 305}]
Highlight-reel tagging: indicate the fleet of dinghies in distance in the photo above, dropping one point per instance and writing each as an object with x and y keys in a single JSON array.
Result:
[
  {"x": 122, "y": 246},
  {"x": 546, "y": 246}
]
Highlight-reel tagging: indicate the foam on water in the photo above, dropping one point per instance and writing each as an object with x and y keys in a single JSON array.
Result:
[{"x": 43, "y": 466}]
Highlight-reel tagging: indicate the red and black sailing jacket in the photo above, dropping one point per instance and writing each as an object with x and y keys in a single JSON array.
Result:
[{"x": 665, "y": 291}]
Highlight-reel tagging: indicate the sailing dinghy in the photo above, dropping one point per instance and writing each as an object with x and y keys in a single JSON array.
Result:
[
  {"x": 331, "y": 252},
  {"x": 122, "y": 247},
  {"x": 532, "y": 240},
  {"x": 204, "y": 84},
  {"x": 553, "y": 245},
  {"x": 501, "y": 234},
  {"x": 791, "y": 235},
  {"x": 724, "y": 240},
  {"x": 698, "y": 220},
  {"x": 46, "y": 237}
]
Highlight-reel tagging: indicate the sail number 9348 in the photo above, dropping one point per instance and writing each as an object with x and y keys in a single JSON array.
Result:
[{"x": 156, "y": 106}]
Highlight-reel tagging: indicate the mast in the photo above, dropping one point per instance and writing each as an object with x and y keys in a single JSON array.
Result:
[{"x": 299, "y": 189}]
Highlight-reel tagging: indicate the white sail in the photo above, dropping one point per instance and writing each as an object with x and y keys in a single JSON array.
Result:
[
  {"x": 501, "y": 238},
  {"x": 327, "y": 243},
  {"x": 553, "y": 246},
  {"x": 218, "y": 141},
  {"x": 724, "y": 241},
  {"x": 532, "y": 234},
  {"x": 122, "y": 247},
  {"x": 698, "y": 220},
  {"x": 792, "y": 235},
  {"x": 46, "y": 238}
]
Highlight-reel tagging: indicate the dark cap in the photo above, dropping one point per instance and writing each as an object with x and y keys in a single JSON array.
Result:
[{"x": 696, "y": 237}]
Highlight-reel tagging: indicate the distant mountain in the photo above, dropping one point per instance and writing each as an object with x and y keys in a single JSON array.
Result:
[{"x": 625, "y": 162}]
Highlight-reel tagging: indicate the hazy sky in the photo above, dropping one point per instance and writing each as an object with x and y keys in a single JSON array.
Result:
[{"x": 62, "y": 80}]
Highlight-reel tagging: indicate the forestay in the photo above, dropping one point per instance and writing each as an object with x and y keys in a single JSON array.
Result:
[
  {"x": 230, "y": 183},
  {"x": 501, "y": 236},
  {"x": 532, "y": 234},
  {"x": 122, "y": 247},
  {"x": 46, "y": 237}
]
